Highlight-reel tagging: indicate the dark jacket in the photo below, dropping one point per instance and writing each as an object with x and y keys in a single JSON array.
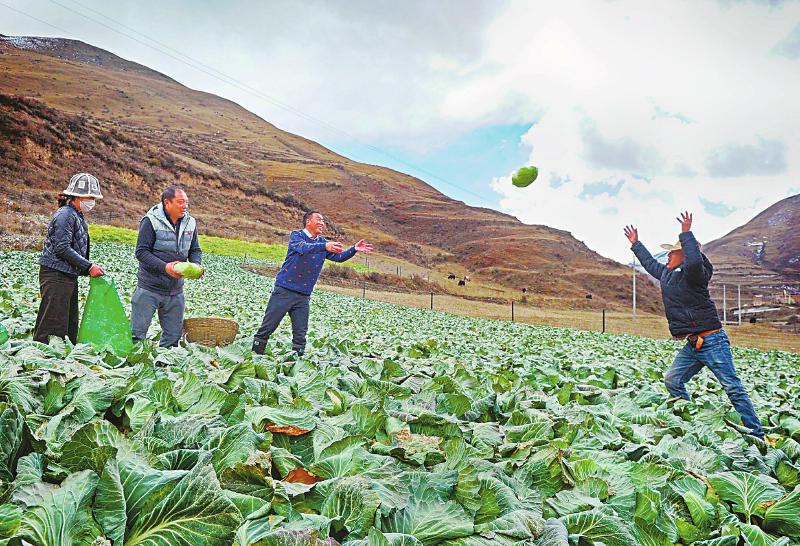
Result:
[
  {"x": 687, "y": 302},
  {"x": 161, "y": 242},
  {"x": 304, "y": 260},
  {"x": 66, "y": 246}
]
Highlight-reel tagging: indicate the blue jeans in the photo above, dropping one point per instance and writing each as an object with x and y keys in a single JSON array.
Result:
[{"x": 716, "y": 355}]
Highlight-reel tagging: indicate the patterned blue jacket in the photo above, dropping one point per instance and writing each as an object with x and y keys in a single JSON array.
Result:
[{"x": 304, "y": 259}]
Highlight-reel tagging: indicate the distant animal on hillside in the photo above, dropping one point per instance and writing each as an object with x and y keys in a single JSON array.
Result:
[
  {"x": 451, "y": 276},
  {"x": 588, "y": 296},
  {"x": 462, "y": 282},
  {"x": 466, "y": 278},
  {"x": 524, "y": 290}
]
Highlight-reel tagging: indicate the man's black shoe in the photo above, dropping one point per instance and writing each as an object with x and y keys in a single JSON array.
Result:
[{"x": 259, "y": 346}]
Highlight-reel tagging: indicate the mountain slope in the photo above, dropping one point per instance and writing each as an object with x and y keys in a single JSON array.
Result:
[
  {"x": 67, "y": 106},
  {"x": 765, "y": 249}
]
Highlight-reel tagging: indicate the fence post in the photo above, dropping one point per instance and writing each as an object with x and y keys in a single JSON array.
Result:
[
  {"x": 739, "y": 290},
  {"x": 724, "y": 304},
  {"x": 512, "y": 310},
  {"x": 604, "y": 321},
  {"x": 633, "y": 301},
  {"x": 431, "y": 300}
]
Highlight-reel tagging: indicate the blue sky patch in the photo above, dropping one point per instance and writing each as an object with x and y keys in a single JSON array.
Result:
[
  {"x": 717, "y": 208},
  {"x": 468, "y": 163},
  {"x": 556, "y": 180},
  {"x": 593, "y": 189}
]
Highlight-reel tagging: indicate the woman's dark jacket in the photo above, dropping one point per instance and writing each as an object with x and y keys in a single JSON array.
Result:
[{"x": 66, "y": 247}]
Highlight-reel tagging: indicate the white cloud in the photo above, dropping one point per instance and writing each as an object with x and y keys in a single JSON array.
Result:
[
  {"x": 767, "y": 157},
  {"x": 375, "y": 70},
  {"x": 674, "y": 92},
  {"x": 659, "y": 96}
]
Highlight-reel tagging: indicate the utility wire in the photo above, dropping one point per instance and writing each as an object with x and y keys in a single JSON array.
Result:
[
  {"x": 233, "y": 82},
  {"x": 68, "y": 33},
  {"x": 209, "y": 70}
]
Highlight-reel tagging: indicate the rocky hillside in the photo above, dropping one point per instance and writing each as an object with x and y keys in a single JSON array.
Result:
[
  {"x": 765, "y": 250},
  {"x": 66, "y": 106}
]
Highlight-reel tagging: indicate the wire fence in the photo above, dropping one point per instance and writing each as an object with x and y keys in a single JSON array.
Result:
[
  {"x": 737, "y": 304},
  {"x": 755, "y": 302}
]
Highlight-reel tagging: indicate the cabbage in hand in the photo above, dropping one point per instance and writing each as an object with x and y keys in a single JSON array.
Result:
[{"x": 189, "y": 270}]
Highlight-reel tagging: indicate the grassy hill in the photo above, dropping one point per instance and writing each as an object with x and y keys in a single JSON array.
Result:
[
  {"x": 66, "y": 106},
  {"x": 765, "y": 250}
]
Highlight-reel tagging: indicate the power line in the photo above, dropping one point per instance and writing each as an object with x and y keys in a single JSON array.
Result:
[
  {"x": 260, "y": 94},
  {"x": 229, "y": 80},
  {"x": 68, "y": 33},
  {"x": 37, "y": 19}
]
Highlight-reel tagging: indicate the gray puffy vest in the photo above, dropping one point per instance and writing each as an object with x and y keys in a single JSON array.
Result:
[{"x": 169, "y": 247}]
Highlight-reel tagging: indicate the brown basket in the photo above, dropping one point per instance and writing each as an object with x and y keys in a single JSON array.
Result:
[{"x": 210, "y": 331}]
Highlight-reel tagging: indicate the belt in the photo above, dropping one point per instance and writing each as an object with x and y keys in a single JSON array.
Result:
[{"x": 698, "y": 339}]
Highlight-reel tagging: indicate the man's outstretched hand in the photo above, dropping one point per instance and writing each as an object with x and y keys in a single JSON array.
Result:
[
  {"x": 685, "y": 221},
  {"x": 363, "y": 246},
  {"x": 632, "y": 234},
  {"x": 334, "y": 246}
]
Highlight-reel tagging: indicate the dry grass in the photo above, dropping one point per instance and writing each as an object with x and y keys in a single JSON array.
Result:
[
  {"x": 758, "y": 336},
  {"x": 138, "y": 131}
]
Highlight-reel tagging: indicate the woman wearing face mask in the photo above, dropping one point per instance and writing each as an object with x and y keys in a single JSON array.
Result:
[{"x": 65, "y": 257}]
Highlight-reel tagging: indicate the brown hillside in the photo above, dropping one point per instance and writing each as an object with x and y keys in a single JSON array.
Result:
[
  {"x": 764, "y": 250},
  {"x": 66, "y": 106}
]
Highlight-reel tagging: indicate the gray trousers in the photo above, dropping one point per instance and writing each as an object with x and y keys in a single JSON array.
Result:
[
  {"x": 281, "y": 303},
  {"x": 145, "y": 303}
]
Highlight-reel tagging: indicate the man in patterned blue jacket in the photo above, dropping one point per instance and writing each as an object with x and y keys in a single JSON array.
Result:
[{"x": 295, "y": 281}]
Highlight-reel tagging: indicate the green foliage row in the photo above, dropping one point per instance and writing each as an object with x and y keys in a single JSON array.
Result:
[
  {"x": 220, "y": 246},
  {"x": 398, "y": 427}
]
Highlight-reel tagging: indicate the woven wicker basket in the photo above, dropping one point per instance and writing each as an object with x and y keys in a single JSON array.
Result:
[{"x": 210, "y": 331}]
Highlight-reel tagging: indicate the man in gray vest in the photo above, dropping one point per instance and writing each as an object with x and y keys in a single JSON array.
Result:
[{"x": 167, "y": 235}]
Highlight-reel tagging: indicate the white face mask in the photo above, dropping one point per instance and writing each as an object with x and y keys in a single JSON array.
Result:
[{"x": 87, "y": 205}]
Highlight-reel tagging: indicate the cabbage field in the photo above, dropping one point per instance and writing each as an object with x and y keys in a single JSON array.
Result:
[{"x": 399, "y": 427}]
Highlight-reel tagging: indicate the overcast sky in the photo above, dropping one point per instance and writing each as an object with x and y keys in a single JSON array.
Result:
[{"x": 632, "y": 110}]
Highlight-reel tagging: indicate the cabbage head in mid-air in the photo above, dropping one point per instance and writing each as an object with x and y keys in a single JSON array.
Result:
[{"x": 525, "y": 176}]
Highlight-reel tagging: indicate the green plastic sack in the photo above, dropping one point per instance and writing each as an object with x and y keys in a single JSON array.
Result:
[
  {"x": 3, "y": 334},
  {"x": 104, "y": 323}
]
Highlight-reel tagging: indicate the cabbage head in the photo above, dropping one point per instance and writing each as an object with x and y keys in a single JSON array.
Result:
[
  {"x": 190, "y": 270},
  {"x": 525, "y": 176}
]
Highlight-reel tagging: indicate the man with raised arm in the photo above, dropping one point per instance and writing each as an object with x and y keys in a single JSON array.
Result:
[
  {"x": 295, "y": 281},
  {"x": 693, "y": 316}
]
